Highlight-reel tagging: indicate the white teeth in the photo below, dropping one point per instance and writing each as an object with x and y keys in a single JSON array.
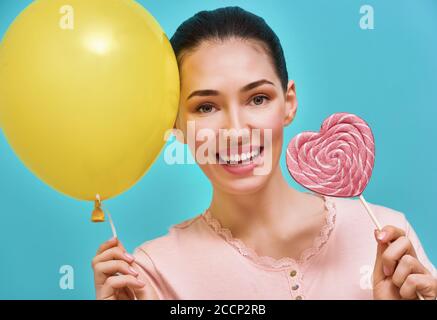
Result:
[{"x": 244, "y": 157}]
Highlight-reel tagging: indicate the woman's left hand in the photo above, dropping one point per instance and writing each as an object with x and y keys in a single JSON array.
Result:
[{"x": 398, "y": 274}]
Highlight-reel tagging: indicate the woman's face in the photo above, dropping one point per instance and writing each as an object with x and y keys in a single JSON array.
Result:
[{"x": 234, "y": 101}]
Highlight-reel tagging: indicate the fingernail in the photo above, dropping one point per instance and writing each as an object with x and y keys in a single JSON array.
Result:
[
  {"x": 386, "y": 271},
  {"x": 133, "y": 271},
  {"x": 381, "y": 235},
  {"x": 130, "y": 257},
  {"x": 141, "y": 282}
]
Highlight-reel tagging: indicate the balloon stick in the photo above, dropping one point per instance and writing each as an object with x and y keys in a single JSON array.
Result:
[
  {"x": 114, "y": 232},
  {"x": 98, "y": 214}
]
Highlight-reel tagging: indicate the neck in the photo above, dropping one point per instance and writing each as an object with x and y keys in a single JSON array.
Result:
[{"x": 265, "y": 207}]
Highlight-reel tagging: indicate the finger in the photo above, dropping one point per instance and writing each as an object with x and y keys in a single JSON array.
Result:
[
  {"x": 394, "y": 253},
  {"x": 103, "y": 270},
  {"x": 119, "y": 282},
  {"x": 389, "y": 234},
  {"x": 106, "y": 245},
  {"x": 114, "y": 253},
  {"x": 378, "y": 274},
  {"x": 423, "y": 283},
  {"x": 406, "y": 266},
  {"x": 121, "y": 245}
]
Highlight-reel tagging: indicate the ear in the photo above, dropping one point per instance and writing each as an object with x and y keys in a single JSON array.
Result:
[{"x": 290, "y": 103}]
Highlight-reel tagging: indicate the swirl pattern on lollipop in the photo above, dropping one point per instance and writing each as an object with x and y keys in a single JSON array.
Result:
[{"x": 337, "y": 161}]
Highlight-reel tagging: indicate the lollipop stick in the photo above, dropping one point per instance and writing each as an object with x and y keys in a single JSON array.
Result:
[
  {"x": 370, "y": 212},
  {"x": 378, "y": 225}
]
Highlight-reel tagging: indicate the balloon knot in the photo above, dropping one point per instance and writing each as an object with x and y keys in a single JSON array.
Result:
[{"x": 98, "y": 215}]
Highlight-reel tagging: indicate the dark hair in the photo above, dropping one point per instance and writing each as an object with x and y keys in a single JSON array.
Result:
[{"x": 225, "y": 23}]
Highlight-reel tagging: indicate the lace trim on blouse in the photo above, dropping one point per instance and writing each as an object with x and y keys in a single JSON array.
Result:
[{"x": 283, "y": 262}]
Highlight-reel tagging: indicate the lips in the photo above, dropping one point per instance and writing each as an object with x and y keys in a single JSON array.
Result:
[{"x": 243, "y": 155}]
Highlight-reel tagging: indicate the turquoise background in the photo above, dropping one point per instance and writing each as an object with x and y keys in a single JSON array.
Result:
[{"x": 387, "y": 75}]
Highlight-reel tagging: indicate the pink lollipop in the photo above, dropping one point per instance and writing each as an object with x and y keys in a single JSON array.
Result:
[{"x": 337, "y": 161}]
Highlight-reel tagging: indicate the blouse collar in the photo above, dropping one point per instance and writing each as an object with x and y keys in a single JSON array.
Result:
[{"x": 285, "y": 262}]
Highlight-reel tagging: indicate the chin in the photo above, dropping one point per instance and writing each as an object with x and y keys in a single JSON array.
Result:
[
  {"x": 236, "y": 184},
  {"x": 241, "y": 186}
]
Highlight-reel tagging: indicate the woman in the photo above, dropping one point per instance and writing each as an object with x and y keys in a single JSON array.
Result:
[{"x": 259, "y": 238}]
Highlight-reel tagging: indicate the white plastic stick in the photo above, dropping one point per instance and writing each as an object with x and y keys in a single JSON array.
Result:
[
  {"x": 111, "y": 223},
  {"x": 114, "y": 232},
  {"x": 370, "y": 212}
]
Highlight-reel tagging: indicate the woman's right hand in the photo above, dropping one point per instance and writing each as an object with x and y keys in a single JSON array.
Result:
[{"x": 114, "y": 276}]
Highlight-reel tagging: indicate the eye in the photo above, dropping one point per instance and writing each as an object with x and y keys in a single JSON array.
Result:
[
  {"x": 206, "y": 108},
  {"x": 259, "y": 99}
]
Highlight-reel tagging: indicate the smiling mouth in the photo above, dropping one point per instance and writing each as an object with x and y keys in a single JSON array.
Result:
[{"x": 237, "y": 159}]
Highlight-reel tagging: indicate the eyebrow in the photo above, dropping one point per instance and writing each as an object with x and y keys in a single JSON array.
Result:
[{"x": 209, "y": 92}]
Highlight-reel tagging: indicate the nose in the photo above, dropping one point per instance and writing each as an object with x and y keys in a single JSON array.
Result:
[
  {"x": 235, "y": 118},
  {"x": 237, "y": 124}
]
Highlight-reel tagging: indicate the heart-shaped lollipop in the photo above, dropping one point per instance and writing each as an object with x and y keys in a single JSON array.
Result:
[{"x": 338, "y": 160}]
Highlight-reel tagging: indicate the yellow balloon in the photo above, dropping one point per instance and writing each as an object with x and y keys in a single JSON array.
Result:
[{"x": 87, "y": 92}]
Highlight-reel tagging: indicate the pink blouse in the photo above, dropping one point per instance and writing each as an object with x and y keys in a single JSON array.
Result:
[{"x": 198, "y": 259}]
